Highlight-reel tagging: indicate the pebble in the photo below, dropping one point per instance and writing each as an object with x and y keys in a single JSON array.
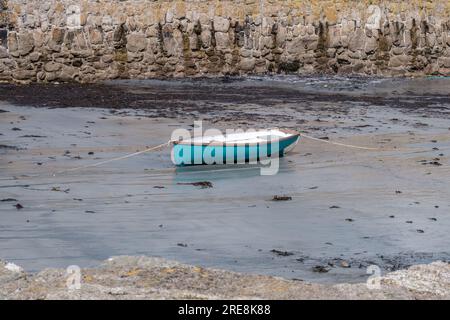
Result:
[
  {"x": 202, "y": 184},
  {"x": 282, "y": 253},
  {"x": 281, "y": 198},
  {"x": 320, "y": 269}
]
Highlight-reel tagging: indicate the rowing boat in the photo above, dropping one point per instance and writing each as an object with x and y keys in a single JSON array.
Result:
[{"x": 246, "y": 147}]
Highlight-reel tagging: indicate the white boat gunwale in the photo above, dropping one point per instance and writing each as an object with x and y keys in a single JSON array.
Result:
[{"x": 290, "y": 134}]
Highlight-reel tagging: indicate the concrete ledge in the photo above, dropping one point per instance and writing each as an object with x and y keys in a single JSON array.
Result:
[{"x": 128, "y": 277}]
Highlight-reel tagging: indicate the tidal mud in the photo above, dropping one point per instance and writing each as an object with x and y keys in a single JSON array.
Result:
[{"x": 345, "y": 214}]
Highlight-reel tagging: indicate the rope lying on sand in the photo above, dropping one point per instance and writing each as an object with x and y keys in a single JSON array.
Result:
[
  {"x": 92, "y": 165},
  {"x": 116, "y": 159},
  {"x": 337, "y": 143},
  {"x": 170, "y": 141}
]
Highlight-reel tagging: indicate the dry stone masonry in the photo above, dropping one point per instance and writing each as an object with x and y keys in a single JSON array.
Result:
[{"x": 92, "y": 40}]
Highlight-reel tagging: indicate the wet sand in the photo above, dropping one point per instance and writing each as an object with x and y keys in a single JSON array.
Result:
[{"x": 350, "y": 208}]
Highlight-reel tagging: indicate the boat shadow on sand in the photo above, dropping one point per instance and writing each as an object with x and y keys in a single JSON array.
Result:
[{"x": 228, "y": 171}]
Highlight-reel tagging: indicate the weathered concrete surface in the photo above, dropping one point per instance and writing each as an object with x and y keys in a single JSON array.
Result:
[
  {"x": 128, "y": 277},
  {"x": 68, "y": 40}
]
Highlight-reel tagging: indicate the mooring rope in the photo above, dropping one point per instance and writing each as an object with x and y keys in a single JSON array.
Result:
[
  {"x": 115, "y": 159},
  {"x": 92, "y": 165},
  {"x": 337, "y": 143}
]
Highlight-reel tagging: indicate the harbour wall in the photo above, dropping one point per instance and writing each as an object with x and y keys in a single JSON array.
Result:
[{"x": 94, "y": 40}]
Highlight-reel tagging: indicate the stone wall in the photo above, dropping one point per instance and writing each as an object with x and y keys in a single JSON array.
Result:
[{"x": 90, "y": 40}]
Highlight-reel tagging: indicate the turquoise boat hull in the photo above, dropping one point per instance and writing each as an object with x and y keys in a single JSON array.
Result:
[{"x": 191, "y": 154}]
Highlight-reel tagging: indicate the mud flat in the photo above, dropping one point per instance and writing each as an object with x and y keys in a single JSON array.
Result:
[
  {"x": 154, "y": 278},
  {"x": 349, "y": 209}
]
